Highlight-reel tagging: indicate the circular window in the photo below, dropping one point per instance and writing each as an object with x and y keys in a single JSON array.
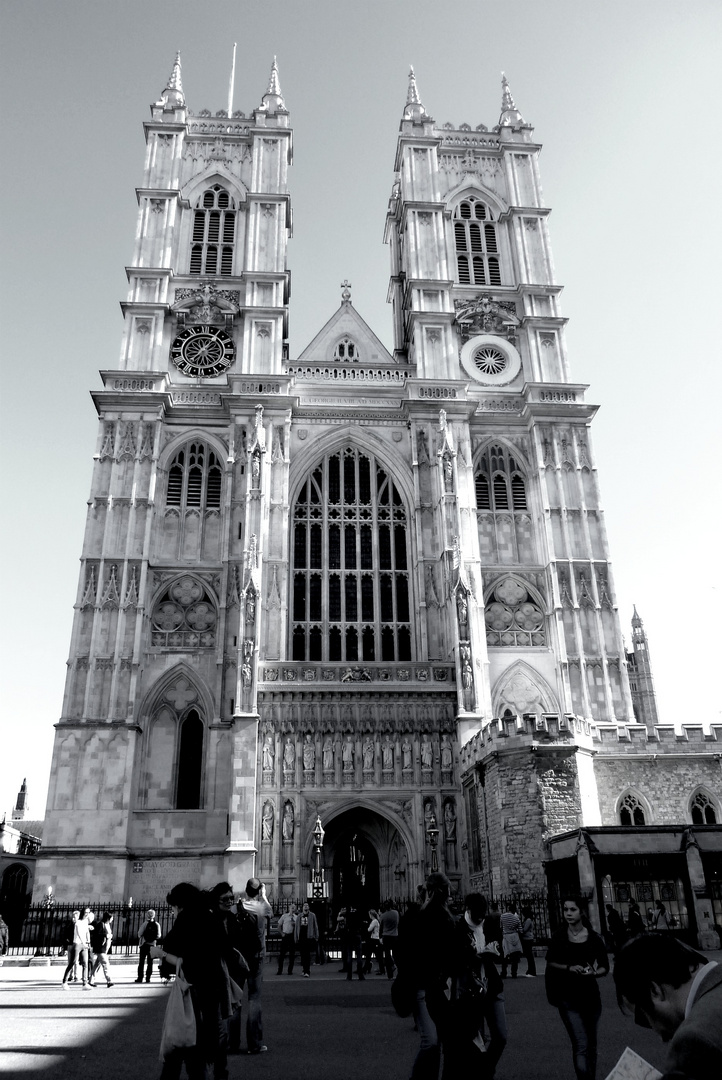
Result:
[{"x": 490, "y": 360}]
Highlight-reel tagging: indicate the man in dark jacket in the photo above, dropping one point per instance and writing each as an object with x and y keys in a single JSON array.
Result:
[
  {"x": 478, "y": 993},
  {"x": 677, "y": 992}
]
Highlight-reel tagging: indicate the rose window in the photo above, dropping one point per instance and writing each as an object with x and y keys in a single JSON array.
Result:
[
  {"x": 513, "y": 617},
  {"x": 184, "y": 617},
  {"x": 490, "y": 361}
]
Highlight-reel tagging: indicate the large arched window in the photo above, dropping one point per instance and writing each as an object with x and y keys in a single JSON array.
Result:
[
  {"x": 477, "y": 251},
  {"x": 350, "y": 564},
  {"x": 702, "y": 809},
  {"x": 214, "y": 230},
  {"x": 631, "y": 810},
  {"x": 194, "y": 478}
]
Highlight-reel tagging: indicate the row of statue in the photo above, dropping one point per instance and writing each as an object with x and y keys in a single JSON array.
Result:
[
  {"x": 348, "y": 754},
  {"x": 288, "y": 820}
]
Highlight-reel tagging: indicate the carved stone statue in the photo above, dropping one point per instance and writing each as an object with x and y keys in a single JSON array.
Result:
[
  {"x": 462, "y": 609},
  {"x": 387, "y": 755},
  {"x": 289, "y": 755},
  {"x": 250, "y": 606},
  {"x": 267, "y": 822},
  {"x": 369, "y": 754},
  {"x": 327, "y": 754},
  {"x": 406, "y": 754},
  {"x": 309, "y": 754},
  {"x": 269, "y": 754},
  {"x": 427, "y": 754},
  {"x": 348, "y": 755},
  {"x": 449, "y": 822},
  {"x": 446, "y": 756},
  {"x": 287, "y": 827}
]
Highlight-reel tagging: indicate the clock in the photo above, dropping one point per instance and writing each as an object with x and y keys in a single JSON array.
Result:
[{"x": 203, "y": 350}]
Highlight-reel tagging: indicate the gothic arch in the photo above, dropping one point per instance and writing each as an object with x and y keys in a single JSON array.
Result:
[
  {"x": 499, "y": 440},
  {"x": 471, "y": 186},
  {"x": 331, "y": 813},
  {"x": 155, "y": 693},
  {"x": 190, "y": 435},
  {"x": 628, "y": 799},
  {"x": 161, "y": 588},
  {"x": 214, "y": 174},
  {"x": 531, "y": 589},
  {"x": 703, "y": 801},
  {"x": 336, "y": 440},
  {"x": 520, "y": 685}
]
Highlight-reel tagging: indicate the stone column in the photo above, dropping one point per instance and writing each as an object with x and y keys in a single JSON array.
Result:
[{"x": 707, "y": 936}]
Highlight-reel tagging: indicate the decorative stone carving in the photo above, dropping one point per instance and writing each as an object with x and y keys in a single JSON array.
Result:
[
  {"x": 267, "y": 822},
  {"x": 328, "y": 754},
  {"x": 446, "y": 754},
  {"x": 485, "y": 315},
  {"x": 289, "y": 755},
  {"x": 288, "y": 823},
  {"x": 357, "y": 674},
  {"x": 348, "y": 755},
  {"x": 369, "y": 754},
  {"x": 427, "y": 754},
  {"x": 387, "y": 755},
  {"x": 406, "y": 751},
  {"x": 309, "y": 754},
  {"x": 450, "y": 821}
]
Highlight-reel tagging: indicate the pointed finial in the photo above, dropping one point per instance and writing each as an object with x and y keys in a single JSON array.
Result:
[
  {"x": 346, "y": 291},
  {"x": 636, "y": 621},
  {"x": 510, "y": 115},
  {"x": 414, "y": 109},
  {"x": 173, "y": 97},
  {"x": 273, "y": 98}
]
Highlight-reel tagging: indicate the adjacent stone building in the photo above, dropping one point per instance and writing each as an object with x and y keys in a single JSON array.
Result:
[{"x": 367, "y": 585}]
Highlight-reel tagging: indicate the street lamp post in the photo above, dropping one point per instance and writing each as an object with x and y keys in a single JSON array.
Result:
[
  {"x": 432, "y": 834},
  {"x": 317, "y": 888}
]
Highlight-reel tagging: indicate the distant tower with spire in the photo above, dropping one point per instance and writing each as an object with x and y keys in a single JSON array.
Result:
[
  {"x": 641, "y": 681},
  {"x": 21, "y": 805}
]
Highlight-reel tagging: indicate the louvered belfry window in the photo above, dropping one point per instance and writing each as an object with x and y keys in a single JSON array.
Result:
[
  {"x": 499, "y": 482},
  {"x": 194, "y": 478},
  {"x": 477, "y": 252},
  {"x": 214, "y": 230},
  {"x": 350, "y": 564}
]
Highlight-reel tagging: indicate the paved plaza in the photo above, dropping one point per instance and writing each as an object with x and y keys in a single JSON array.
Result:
[{"x": 322, "y": 1028}]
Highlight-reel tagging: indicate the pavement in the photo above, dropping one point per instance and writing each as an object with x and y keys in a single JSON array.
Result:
[{"x": 322, "y": 1028}]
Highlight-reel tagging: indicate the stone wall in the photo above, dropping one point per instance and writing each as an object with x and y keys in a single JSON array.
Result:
[{"x": 665, "y": 783}]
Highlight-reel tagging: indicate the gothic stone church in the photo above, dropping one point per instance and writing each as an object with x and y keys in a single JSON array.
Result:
[{"x": 367, "y": 585}]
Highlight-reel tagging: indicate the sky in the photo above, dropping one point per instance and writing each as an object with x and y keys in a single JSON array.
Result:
[{"x": 625, "y": 98}]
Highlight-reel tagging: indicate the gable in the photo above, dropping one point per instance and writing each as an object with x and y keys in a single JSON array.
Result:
[{"x": 347, "y": 323}]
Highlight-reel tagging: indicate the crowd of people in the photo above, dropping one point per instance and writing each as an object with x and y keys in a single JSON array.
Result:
[{"x": 448, "y": 969}]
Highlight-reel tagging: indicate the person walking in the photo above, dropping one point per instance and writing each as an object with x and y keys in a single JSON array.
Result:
[
  {"x": 73, "y": 950},
  {"x": 306, "y": 937},
  {"x": 661, "y": 919},
  {"x": 373, "y": 943},
  {"x": 635, "y": 922},
  {"x": 351, "y": 943},
  {"x": 576, "y": 959},
  {"x": 389, "y": 931},
  {"x": 148, "y": 936},
  {"x": 616, "y": 930},
  {"x": 287, "y": 930},
  {"x": 511, "y": 941},
  {"x": 256, "y": 904},
  {"x": 101, "y": 946},
  {"x": 234, "y": 966},
  {"x": 527, "y": 942},
  {"x": 478, "y": 996}
]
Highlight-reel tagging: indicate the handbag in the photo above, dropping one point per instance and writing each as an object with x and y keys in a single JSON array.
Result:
[
  {"x": 403, "y": 995},
  {"x": 179, "y": 1023}
]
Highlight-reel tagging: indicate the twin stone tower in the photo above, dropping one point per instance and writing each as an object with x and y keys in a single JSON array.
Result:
[{"x": 310, "y": 585}]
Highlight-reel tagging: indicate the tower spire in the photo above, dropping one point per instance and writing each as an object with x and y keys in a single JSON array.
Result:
[
  {"x": 510, "y": 115},
  {"x": 272, "y": 100},
  {"x": 414, "y": 109},
  {"x": 173, "y": 96}
]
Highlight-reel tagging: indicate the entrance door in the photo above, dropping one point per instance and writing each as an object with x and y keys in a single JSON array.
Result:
[{"x": 356, "y": 871}]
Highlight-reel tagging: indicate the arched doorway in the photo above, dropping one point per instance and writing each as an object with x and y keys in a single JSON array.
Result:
[{"x": 365, "y": 857}]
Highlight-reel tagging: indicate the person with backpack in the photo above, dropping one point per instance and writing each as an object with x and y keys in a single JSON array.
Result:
[
  {"x": 148, "y": 935},
  {"x": 253, "y": 937},
  {"x": 100, "y": 938}
]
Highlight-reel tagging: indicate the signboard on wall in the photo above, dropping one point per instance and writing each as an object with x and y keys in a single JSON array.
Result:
[{"x": 151, "y": 879}]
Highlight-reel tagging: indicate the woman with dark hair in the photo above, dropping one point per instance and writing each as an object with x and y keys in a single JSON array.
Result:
[
  {"x": 576, "y": 958},
  {"x": 104, "y": 938}
]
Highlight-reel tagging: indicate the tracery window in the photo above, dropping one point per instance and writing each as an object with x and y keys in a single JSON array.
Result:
[
  {"x": 346, "y": 349},
  {"x": 631, "y": 811},
  {"x": 350, "y": 563},
  {"x": 499, "y": 482},
  {"x": 477, "y": 251},
  {"x": 214, "y": 230},
  {"x": 703, "y": 810},
  {"x": 194, "y": 478},
  {"x": 190, "y": 762},
  {"x": 184, "y": 617},
  {"x": 512, "y": 616}
]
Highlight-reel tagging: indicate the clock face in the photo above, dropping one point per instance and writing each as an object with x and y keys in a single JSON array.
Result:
[{"x": 203, "y": 350}]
